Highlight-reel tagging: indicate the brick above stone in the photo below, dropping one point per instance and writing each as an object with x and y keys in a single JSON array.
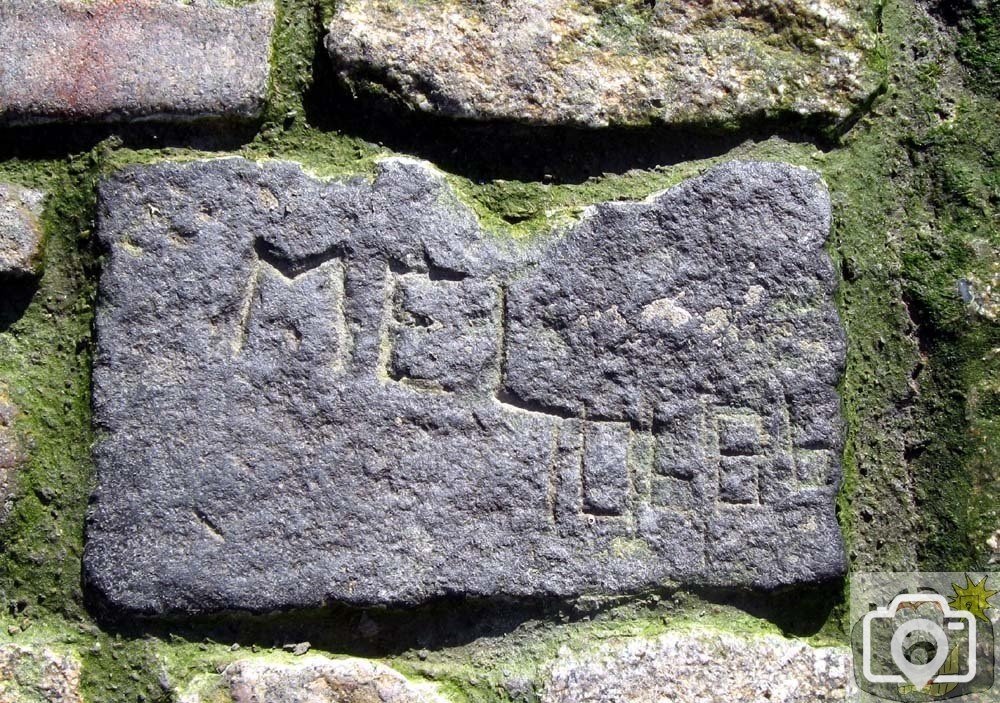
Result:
[{"x": 119, "y": 60}]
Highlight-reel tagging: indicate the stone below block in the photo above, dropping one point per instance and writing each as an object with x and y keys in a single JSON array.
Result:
[
  {"x": 312, "y": 680},
  {"x": 38, "y": 674},
  {"x": 702, "y": 667}
]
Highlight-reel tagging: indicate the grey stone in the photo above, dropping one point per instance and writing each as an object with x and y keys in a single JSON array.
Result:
[
  {"x": 314, "y": 680},
  {"x": 38, "y": 675},
  {"x": 313, "y": 391},
  {"x": 702, "y": 666},
  {"x": 20, "y": 230},
  {"x": 598, "y": 62},
  {"x": 68, "y": 60}
]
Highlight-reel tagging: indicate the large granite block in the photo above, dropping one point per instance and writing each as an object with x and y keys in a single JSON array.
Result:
[
  {"x": 310, "y": 391},
  {"x": 595, "y": 63}
]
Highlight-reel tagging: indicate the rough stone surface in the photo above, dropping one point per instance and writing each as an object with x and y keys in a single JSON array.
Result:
[
  {"x": 599, "y": 62},
  {"x": 316, "y": 390},
  {"x": 38, "y": 675},
  {"x": 11, "y": 454},
  {"x": 132, "y": 59},
  {"x": 318, "y": 680},
  {"x": 20, "y": 230},
  {"x": 705, "y": 667}
]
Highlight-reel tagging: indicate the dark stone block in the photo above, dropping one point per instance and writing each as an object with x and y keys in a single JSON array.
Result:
[{"x": 311, "y": 391}]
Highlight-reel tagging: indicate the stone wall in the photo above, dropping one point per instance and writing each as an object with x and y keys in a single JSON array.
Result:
[{"x": 484, "y": 351}]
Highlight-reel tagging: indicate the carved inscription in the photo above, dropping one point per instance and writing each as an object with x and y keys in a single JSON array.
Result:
[{"x": 349, "y": 391}]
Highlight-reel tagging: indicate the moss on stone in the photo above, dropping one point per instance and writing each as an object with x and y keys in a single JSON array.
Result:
[
  {"x": 979, "y": 45},
  {"x": 45, "y": 359}
]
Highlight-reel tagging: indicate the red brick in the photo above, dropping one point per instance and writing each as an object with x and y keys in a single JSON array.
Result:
[{"x": 68, "y": 60}]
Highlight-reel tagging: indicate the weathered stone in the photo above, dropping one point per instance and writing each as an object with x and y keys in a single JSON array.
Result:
[
  {"x": 702, "y": 666},
  {"x": 318, "y": 680},
  {"x": 11, "y": 454},
  {"x": 132, "y": 59},
  {"x": 317, "y": 390},
  {"x": 38, "y": 675},
  {"x": 600, "y": 62},
  {"x": 20, "y": 230}
]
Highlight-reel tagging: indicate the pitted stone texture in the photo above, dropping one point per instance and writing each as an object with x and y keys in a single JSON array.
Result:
[
  {"x": 319, "y": 680},
  {"x": 599, "y": 62},
  {"x": 38, "y": 675},
  {"x": 109, "y": 60},
  {"x": 317, "y": 390},
  {"x": 11, "y": 454},
  {"x": 702, "y": 667},
  {"x": 20, "y": 230}
]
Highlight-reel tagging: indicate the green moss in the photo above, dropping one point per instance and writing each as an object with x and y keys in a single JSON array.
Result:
[
  {"x": 961, "y": 241},
  {"x": 623, "y": 27},
  {"x": 979, "y": 46},
  {"x": 45, "y": 361},
  {"x": 117, "y": 670}
]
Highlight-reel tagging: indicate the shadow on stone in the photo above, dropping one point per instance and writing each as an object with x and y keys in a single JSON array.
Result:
[
  {"x": 59, "y": 140},
  {"x": 16, "y": 294},
  {"x": 483, "y": 151},
  {"x": 370, "y": 632},
  {"x": 800, "y": 611}
]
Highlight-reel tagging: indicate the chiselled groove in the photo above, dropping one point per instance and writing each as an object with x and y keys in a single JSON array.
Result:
[
  {"x": 552, "y": 477},
  {"x": 437, "y": 272},
  {"x": 293, "y": 268},
  {"x": 213, "y": 529},
  {"x": 510, "y": 399},
  {"x": 293, "y": 273},
  {"x": 441, "y": 273},
  {"x": 343, "y": 330},
  {"x": 386, "y": 320},
  {"x": 246, "y": 307}
]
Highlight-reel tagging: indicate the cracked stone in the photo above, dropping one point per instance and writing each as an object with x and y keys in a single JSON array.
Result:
[
  {"x": 20, "y": 230},
  {"x": 113, "y": 60},
  {"x": 348, "y": 391},
  {"x": 316, "y": 680},
  {"x": 595, "y": 63},
  {"x": 38, "y": 675},
  {"x": 702, "y": 666}
]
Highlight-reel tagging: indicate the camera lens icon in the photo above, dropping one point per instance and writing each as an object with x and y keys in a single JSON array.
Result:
[{"x": 924, "y": 634}]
